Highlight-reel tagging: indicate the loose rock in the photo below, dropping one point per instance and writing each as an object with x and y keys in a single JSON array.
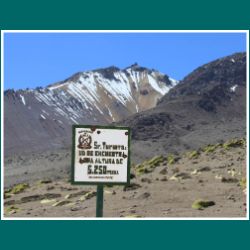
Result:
[
  {"x": 164, "y": 171},
  {"x": 180, "y": 176},
  {"x": 229, "y": 180},
  {"x": 131, "y": 186},
  {"x": 39, "y": 197},
  {"x": 147, "y": 180},
  {"x": 144, "y": 195},
  {"x": 164, "y": 178}
]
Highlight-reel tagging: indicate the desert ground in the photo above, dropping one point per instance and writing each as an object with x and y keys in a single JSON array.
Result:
[{"x": 209, "y": 182}]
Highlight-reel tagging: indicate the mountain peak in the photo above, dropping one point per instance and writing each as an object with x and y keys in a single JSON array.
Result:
[
  {"x": 108, "y": 72},
  {"x": 134, "y": 65},
  {"x": 111, "y": 68},
  {"x": 137, "y": 67}
]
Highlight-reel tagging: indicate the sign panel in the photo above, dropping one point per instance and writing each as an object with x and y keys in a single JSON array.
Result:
[{"x": 100, "y": 155}]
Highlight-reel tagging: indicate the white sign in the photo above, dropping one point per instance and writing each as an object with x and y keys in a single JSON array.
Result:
[{"x": 100, "y": 155}]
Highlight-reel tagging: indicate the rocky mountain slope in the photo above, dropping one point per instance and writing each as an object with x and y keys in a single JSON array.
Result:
[
  {"x": 41, "y": 118},
  {"x": 208, "y": 106}
]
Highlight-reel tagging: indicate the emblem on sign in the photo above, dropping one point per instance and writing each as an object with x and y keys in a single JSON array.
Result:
[
  {"x": 84, "y": 141},
  {"x": 100, "y": 155}
]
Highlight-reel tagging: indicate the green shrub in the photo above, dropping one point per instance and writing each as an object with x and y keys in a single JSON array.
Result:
[
  {"x": 155, "y": 161},
  {"x": 18, "y": 188},
  {"x": 210, "y": 148},
  {"x": 171, "y": 159},
  {"x": 149, "y": 166},
  {"x": 234, "y": 143},
  {"x": 12, "y": 209},
  {"x": 201, "y": 204},
  {"x": 193, "y": 154},
  {"x": 243, "y": 183}
]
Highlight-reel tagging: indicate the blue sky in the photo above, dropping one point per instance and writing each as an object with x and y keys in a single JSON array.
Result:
[{"x": 39, "y": 59}]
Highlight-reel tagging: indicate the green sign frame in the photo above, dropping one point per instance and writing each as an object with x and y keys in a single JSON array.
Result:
[{"x": 73, "y": 182}]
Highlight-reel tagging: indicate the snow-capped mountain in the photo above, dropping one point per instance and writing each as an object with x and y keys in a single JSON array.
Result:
[{"x": 41, "y": 117}]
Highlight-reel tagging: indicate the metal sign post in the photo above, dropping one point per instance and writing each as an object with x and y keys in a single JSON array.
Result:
[
  {"x": 100, "y": 156},
  {"x": 99, "y": 201}
]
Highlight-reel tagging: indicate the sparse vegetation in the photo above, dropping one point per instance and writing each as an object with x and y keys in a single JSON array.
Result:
[
  {"x": 149, "y": 166},
  {"x": 61, "y": 203},
  {"x": 7, "y": 195},
  {"x": 202, "y": 204},
  {"x": 140, "y": 169},
  {"x": 193, "y": 154},
  {"x": 155, "y": 161},
  {"x": 234, "y": 143},
  {"x": 243, "y": 183},
  {"x": 132, "y": 216},
  {"x": 210, "y": 148},
  {"x": 88, "y": 195},
  {"x": 171, "y": 159},
  {"x": 12, "y": 210},
  {"x": 17, "y": 188},
  {"x": 195, "y": 169}
]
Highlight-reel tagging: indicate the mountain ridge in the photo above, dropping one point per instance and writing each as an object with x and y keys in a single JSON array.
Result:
[
  {"x": 207, "y": 107},
  {"x": 101, "y": 96}
]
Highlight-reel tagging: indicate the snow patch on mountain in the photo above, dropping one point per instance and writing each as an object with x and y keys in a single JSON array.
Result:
[
  {"x": 233, "y": 88},
  {"x": 23, "y": 100},
  {"x": 173, "y": 81},
  {"x": 160, "y": 89}
]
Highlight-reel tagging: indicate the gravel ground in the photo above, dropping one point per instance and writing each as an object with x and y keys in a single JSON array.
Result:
[{"x": 169, "y": 190}]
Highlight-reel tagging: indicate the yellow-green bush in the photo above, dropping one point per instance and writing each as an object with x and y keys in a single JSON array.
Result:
[
  {"x": 234, "y": 143},
  {"x": 155, "y": 160},
  {"x": 243, "y": 183},
  {"x": 171, "y": 159},
  {"x": 210, "y": 148},
  {"x": 193, "y": 154},
  {"x": 18, "y": 188},
  {"x": 149, "y": 165},
  {"x": 201, "y": 204},
  {"x": 12, "y": 209}
]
